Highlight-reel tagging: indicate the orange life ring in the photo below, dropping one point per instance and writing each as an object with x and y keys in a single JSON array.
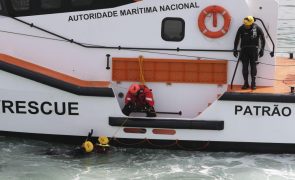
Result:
[{"x": 214, "y": 10}]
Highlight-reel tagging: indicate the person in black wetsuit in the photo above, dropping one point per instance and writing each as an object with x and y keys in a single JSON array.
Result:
[{"x": 252, "y": 46}]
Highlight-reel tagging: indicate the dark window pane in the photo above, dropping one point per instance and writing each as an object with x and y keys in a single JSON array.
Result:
[
  {"x": 50, "y": 4},
  {"x": 20, "y": 5},
  {"x": 81, "y": 2},
  {"x": 173, "y": 29}
]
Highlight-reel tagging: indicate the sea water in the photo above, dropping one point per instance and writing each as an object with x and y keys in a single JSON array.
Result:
[
  {"x": 286, "y": 24},
  {"x": 34, "y": 160},
  {"x": 28, "y": 159}
]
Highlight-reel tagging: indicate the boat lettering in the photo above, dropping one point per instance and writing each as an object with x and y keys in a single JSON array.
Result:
[
  {"x": 33, "y": 107},
  {"x": 133, "y": 11},
  {"x": 275, "y": 110}
]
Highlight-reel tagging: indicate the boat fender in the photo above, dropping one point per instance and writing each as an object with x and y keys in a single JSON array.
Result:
[
  {"x": 87, "y": 146},
  {"x": 214, "y": 10}
]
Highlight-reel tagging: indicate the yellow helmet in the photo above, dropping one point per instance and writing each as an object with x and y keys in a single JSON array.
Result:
[
  {"x": 249, "y": 20},
  {"x": 103, "y": 140},
  {"x": 87, "y": 146}
]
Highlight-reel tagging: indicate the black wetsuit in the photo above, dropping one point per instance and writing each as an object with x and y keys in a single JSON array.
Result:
[{"x": 249, "y": 49}]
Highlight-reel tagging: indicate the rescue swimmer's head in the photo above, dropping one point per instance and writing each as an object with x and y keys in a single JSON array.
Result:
[
  {"x": 103, "y": 140},
  {"x": 248, "y": 21},
  {"x": 87, "y": 147},
  {"x": 134, "y": 89}
]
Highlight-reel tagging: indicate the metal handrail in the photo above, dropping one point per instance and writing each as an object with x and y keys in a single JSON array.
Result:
[{"x": 273, "y": 44}]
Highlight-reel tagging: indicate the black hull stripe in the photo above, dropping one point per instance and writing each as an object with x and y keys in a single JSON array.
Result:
[
  {"x": 56, "y": 83},
  {"x": 214, "y": 146},
  {"x": 166, "y": 123},
  {"x": 258, "y": 97},
  {"x": 210, "y": 146}
]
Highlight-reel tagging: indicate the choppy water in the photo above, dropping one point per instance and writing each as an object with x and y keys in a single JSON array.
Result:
[
  {"x": 27, "y": 159},
  {"x": 286, "y": 30}
]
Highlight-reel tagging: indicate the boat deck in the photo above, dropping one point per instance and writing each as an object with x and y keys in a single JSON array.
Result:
[{"x": 284, "y": 79}]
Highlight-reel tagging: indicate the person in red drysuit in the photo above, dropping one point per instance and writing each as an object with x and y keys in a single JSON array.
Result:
[{"x": 139, "y": 99}]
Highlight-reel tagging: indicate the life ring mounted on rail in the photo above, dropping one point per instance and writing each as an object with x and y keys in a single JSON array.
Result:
[{"x": 214, "y": 10}]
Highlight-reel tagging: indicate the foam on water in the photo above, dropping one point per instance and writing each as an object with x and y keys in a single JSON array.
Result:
[{"x": 28, "y": 159}]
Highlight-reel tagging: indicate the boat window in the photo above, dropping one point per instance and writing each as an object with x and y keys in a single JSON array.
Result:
[
  {"x": 81, "y": 2},
  {"x": 3, "y": 10},
  {"x": 173, "y": 29},
  {"x": 20, "y": 5},
  {"x": 50, "y": 4}
]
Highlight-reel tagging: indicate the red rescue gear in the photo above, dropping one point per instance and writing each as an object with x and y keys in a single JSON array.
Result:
[
  {"x": 134, "y": 88},
  {"x": 141, "y": 98}
]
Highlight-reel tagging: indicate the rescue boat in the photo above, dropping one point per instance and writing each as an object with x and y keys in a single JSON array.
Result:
[{"x": 66, "y": 66}]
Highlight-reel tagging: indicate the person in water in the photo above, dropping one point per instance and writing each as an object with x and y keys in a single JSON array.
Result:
[
  {"x": 251, "y": 35},
  {"x": 87, "y": 148},
  {"x": 139, "y": 99},
  {"x": 103, "y": 145}
]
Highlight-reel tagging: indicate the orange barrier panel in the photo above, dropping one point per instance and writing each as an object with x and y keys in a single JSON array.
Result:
[{"x": 170, "y": 70}]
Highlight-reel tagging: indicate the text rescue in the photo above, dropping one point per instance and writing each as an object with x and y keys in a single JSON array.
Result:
[{"x": 45, "y": 108}]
